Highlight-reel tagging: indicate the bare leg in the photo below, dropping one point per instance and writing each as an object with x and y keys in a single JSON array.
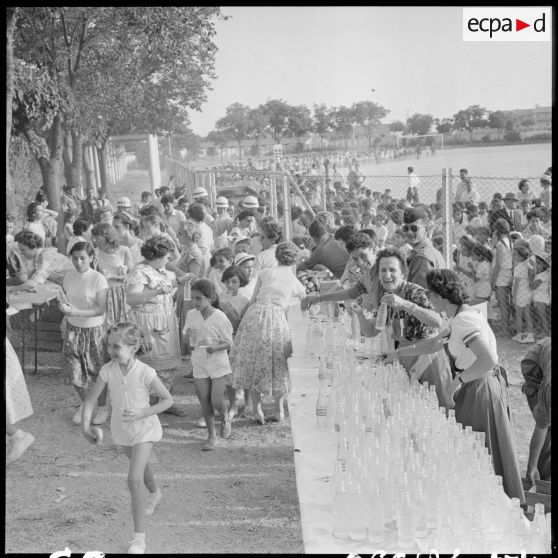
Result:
[
  {"x": 203, "y": 391},
  {"x": 138, "y": 462},
  {"x": 279, "y": 410},
  {"x": 519, "y": 320},
  {"x": 528, "y": 319},
  {"x": 257, "y": 406},
  {"x": 148, "y": 478},
  {"x": 220, "y": 402}
]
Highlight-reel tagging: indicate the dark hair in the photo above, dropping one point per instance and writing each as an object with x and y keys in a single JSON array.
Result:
[
  {"x": 522, "y": 183},
  {"x": 464, "y": 170},
  {"x": 501, "y": 227},
  {"x": 446, "y": 283},
  {"x": 83, "y": 246},
  {"x": 196, "y": 212},
  {"x": 163, "y": 190},
  {"x": 132, "y": 335},
  {"x": 392, "y": 253},
  {"x": 80, "y": 226},
  {"x": 272, "y": 231},
  {"x": 157, "y": 190},
  {"x": 287, "y": 253},
  {"x": 317, "y": 229},
  {"x": 29, "y": 239},
  {"x": 226, "y": 253},
  {"x": 41, "y": 197},
  {"x": 410, "y": 169},
  {"x": 124, "y": 219},
  {"x": 371, "y": 233},
  {"x": 244, "y": 214},
  {"x": 32, "y": 210},
  {"x": 135, "y": 227},
  {"x": 148, "y": 210},
  {"x": 106, "y": 231},
  {"x": 359, "y": 240},
  {"x": 153, "y": 219},
  {"x": 207, "y": 289},
  {"x": 68, "y": 215},
  {"x": 156, "y": 247},
  {"x": 344, "y": 233},
  {"x": 182, "y": 200},
  {"x": 167, "y": 198},
  {"x": 230, "y": 272},
  {"x": 534, "y": 213}
]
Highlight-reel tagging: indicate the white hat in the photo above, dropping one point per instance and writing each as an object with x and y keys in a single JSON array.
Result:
[
  {"x": 199, "y": 192},
  {"x": 240, "y": 239},
  {"x": 250, "y": 202},
  {"x": 221, "y": 201},
  {"x": 123, "y": 202},
  {"x": 242, "y": 257},
  {"x": 545, "y": 178}
]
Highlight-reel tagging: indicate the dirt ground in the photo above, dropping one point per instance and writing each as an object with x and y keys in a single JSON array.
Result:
[{"x": 241, "y": 497}]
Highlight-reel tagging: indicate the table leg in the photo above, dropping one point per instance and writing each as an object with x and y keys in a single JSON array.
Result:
[
  {"x": 36, "y": 319},
  {"x": 23, "y": 340}
]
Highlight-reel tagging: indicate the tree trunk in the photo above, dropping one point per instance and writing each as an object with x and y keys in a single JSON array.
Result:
[
  {"x": 239, "y": 150},
  {"x": 258, "y": 146},
  {"x": 52, "y": 170},
  {"x": 88, "y": 168},
  {"x": 77, "y": 159},
  {"x": 102, "y": 153},
  {"x": 67, "y": 158},
  {"x": 11, "y": 17},
  {"x": 369, "y": 138}
]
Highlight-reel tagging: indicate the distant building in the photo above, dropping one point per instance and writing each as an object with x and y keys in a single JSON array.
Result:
[{"x": 540, "y": 116}]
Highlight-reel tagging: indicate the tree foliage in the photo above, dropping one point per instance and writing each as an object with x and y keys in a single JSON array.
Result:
[
  {"x": 420, "y": 123},
  {"x": 235, "y": 123},
  {"x": 470, "y": 119},
  {"x": 343, "y": 120},
  {"x": 368, "y": 114},
  {"x": 277, "y": 112}
]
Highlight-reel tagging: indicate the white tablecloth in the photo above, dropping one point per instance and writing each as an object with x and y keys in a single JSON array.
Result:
[{"x": 314, "y": 456}]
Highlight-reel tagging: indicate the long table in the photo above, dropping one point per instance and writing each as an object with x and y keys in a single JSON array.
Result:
[
  {"x": 315, "y": 456},
  {"x": 32, "y": 303}
]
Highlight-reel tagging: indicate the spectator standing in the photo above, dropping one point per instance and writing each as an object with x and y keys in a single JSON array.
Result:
[
  {"x": 145, "y": 200},
  {"x": 414, "y": 183},
  {"x": 173, "y": 218},
  {"x": 546, "y": 195},
  {"x": 502, "y": 271},
  {"x": 223, "y": 223},
  {"x": 90, "y": 207},
  {"x": 536, "y": 368},
  {"x": 36, "y": 218}
]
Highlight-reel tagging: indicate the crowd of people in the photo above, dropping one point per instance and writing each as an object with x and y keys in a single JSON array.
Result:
[{"x": 145, "y": 285}]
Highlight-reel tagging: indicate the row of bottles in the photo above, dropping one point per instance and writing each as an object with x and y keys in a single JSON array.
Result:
[{"x": 407, "y": 475}]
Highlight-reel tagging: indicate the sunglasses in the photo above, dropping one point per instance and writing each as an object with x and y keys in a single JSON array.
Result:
[{"x": 412, "y": 228}]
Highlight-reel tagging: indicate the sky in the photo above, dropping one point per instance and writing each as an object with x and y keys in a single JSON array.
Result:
[{"x": 413, "y": 57}]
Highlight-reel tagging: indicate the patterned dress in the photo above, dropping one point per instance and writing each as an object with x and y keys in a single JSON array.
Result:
[
  {"x": 157, "y": 320},
  {"x": 263, "y": 341}
]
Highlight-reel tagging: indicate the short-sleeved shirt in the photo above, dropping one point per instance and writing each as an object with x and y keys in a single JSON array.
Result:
[
  {"x": 265, "y": 260},
  {"x": 216, "y": 329},
  {"x": 278, "y": 285},
  {"x": 144, "y": 274},
  {"x": 466, "y": 327},
  {"x": 130, "y": 391},
  {"x": 423, "y": 258},
  {"x": 175, "y": 220},
  {"x": 108, "y": 264},
  {"x": 536, "y": 368},
  {"x": 329, "y": 253},
  {"x": 81, "y": 290},
  {"x": 49, "y": 264}
]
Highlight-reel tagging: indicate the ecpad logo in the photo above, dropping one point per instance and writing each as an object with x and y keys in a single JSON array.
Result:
[{"x": 507, "y": 24}]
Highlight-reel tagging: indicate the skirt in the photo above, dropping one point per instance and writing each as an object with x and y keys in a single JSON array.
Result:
[
  {"x": 85, "y": 352},
  {"x": 18, "y": 403},
  {"x": 117, "y": 309},
  {"x": 160, "y": 330},
  {"x": 260, "y": 351},
  {"x": 434, "y": 369},
  {"x": 483, "y": 405}
]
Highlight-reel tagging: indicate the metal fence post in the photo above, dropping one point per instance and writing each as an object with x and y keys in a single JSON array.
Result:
[
  {"x": 287, "y": 209},
  {"x": 447, "y": 214}
]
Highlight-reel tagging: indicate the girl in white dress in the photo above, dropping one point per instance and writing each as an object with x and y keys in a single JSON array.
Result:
[
  {"x": 134, "y": 423},
  {"x": 209, "y": 334}
]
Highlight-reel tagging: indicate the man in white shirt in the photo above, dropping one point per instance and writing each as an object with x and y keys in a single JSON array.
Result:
[
  {"x": 146, "y": 198},
  {"x": 174, "y": 218},
  {"x": 412, "y": 191},
  {"x": 463, "y": 186}
]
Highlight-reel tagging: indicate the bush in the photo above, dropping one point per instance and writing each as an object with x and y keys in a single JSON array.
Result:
[
  {"x": 539, "y": 137},
  {"x": 486, "y": 138},
  {"x": 512, "y": 135}
]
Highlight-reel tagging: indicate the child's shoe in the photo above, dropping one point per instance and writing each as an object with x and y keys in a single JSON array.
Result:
[
  {"x": 518, "y": 337},
  {"x": 137, "y": 545},
  {"x": 210, "y": 444},
  {"x": 153, "y": 499}
]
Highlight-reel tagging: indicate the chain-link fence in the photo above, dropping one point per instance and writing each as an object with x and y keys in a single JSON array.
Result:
[{"x": 509, "y": 272}]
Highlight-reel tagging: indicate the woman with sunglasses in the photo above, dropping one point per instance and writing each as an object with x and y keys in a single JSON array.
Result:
[{"x": 479, "y": 388}]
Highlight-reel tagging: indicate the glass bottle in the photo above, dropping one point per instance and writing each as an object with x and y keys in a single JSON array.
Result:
[
  {"x": 340, "y": 511},
  {"x": 375, "y": 520},
  {"x": 321, "y": 406},
  {"x": 381, "y": 317},
  {"x": 405, "y": 522}
]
